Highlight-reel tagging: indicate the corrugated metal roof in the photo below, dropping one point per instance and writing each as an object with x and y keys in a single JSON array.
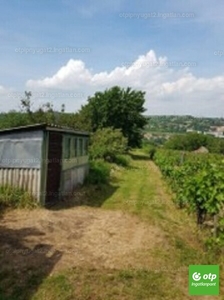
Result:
[{"x": 43, "y": 126}]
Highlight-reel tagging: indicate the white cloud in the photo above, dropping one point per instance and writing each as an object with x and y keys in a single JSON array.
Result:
[
  {"x": 70, "y": 76},
  {"x": 169, "y": 86},
  {"x": 2, "y": 89}
]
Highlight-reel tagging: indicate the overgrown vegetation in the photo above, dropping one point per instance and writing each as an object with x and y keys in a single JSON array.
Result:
[
  {"x": 107, "y": 144},
  {"x": 14, "y": 197},
  {"x": 197, "y": 181},
  {"x": 122, "y": 160},
  {"x": 99, "y": 172},
  {"x": 149, "y": 148}
]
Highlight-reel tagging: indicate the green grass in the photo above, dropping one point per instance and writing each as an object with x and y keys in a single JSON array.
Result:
[
  {"x": 58, "y": 287},
  {"x": 82, "y": 284}
]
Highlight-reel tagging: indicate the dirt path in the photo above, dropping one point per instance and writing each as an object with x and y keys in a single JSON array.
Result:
[{"x": 80, "y": 236}]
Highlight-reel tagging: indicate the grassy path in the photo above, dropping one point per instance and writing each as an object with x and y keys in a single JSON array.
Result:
[{"x": 143, "y": 192}]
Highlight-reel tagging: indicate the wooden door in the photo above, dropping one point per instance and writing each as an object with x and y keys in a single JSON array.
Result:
[{"x": 53, "y": 167}]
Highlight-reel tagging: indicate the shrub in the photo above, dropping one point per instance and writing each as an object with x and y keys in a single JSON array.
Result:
[
  {"x": 122, "y": 160},
  {"x": 107, "y": 143},
  {"x": 99, "y": 172},
  {"x": 15, "y": 197},
  {"x": 152, "y": 152}
]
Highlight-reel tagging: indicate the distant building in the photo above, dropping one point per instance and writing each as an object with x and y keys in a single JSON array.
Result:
[
  {"x": 218, "y": 134},
  {"x": 217, "y": 128},
  {"x": 148, "y": 136},
  {"x": 192, "y": 130}
]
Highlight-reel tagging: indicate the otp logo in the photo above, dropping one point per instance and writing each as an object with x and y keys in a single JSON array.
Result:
[{"x": 196, "y": 276}]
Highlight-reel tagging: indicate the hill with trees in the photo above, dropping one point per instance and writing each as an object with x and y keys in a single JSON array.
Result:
[{"x": 181, "y": 124}]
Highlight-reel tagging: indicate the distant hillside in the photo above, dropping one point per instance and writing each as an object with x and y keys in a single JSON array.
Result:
[{"x": 181, "y": 124}]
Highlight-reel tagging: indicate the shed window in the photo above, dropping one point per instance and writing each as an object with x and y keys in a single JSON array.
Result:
[
  {"x": 85, "y": 148},
  {"x": 75, "y": 147},
  {"x": 67, "y": 148},
  {"x": 80, "y": 147}
]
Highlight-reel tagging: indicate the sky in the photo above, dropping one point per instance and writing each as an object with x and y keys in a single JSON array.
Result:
[{"x": 64, "y": 51}]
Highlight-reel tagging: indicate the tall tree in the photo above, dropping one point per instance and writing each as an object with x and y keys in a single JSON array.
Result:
[{"x": 118, "y": 108}]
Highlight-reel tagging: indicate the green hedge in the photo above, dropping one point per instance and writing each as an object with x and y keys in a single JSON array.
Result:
[{"x": 99, "y": 172}]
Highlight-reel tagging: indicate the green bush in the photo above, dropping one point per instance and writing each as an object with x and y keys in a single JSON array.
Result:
[
  {"x": 14, "y": 197},
  {"x": 122, "y": 160},
  {"x": 99, "y": 172},
  {"x": 152, "y": 152},
  {"x": 149, "y": 149},
  {"x": 107, "y": 143}
]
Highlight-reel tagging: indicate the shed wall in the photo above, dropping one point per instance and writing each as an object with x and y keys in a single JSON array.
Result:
[
  {"x": 21, "y": 150},
  {"x": 27, "y": 179},
  {"x": 72, "y": 178},
  {"x": 20, "y": 160},
  {"x": 74, "y": 164}
]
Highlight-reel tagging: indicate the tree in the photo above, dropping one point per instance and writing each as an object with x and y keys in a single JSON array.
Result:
[
  {"x": 26, "y": 107},
  {"x": 26, "y": 103},
  {"x": 107, "y": 143},
  {"x": 44, "y": 114},
  {"x": 190, "y": 141},
  {"x": 13, "y": 119},
  {"x": 193, "y": 141},
  {"x": 118, "y": 108}
]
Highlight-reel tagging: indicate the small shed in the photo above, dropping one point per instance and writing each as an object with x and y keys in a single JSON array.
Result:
[{"x": 45, "y": 160}]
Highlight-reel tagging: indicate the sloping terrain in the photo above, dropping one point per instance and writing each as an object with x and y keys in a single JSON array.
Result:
[
  {"x": 81, "y": 235},
  {"x": 131, "y": 244}
]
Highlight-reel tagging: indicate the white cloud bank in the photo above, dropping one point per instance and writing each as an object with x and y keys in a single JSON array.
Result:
[{"x": 170, "y": 87}]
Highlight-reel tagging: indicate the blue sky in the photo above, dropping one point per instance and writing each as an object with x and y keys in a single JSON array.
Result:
[{"x": 173, "y": 50}]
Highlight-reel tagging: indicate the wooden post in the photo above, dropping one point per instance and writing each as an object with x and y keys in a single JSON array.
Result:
[{"x": 215, "y": 225}]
